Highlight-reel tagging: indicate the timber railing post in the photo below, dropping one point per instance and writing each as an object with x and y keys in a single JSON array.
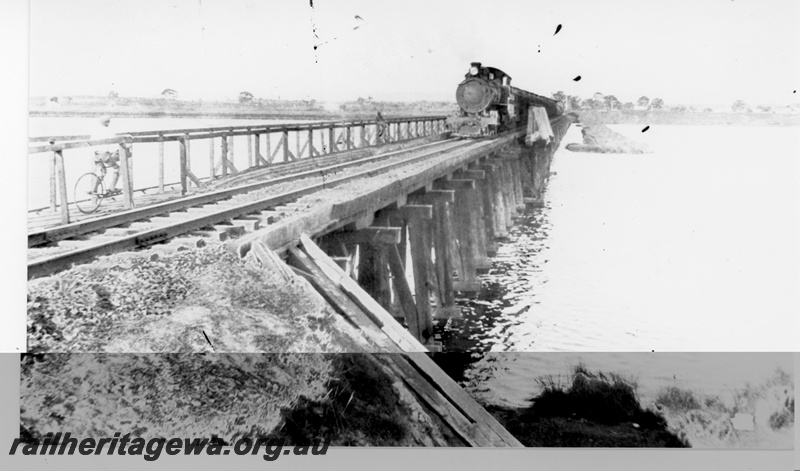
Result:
[
  {"x": 231, "y": 153},
  {"x": 332, "y": 140},
  {"x": 126, "y": 175},
  {"x": 185, "y": 139},
  {"x": 161, "y": 163},
  {"x": 211, "y": 169},
  {"x": 58, "y": 156},
  {"x": 348, "y": 138},
  {"x": 260, "y": 160},
  {"x": 223, "y": 155},
  {"x": 184, "y": 165},
  {"x": 250, "y": 150},
  {"x": 53, "y": 179},
  {"x": 285, "y": 145}
]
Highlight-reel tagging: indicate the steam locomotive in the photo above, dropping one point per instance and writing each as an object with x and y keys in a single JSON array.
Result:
[{"x": 490, "y": 105}]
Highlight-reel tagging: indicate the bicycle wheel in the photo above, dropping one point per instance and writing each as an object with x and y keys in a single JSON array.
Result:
[{"x": 89, "y": 193}]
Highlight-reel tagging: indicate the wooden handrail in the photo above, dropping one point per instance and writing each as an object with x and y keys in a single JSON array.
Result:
[
  {"x": 53, "y": 147},
  {"x": 365, "y": 135},
  {"x": 205, "y": 133}
]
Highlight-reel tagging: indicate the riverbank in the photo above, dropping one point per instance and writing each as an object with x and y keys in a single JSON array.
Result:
[
  {"x": 689, "y": 118},
  {"x": 591, "y": 410},
  {"x": 598, "y": 138}
]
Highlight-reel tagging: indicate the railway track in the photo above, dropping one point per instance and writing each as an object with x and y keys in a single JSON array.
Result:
[{"x": 220, "y": 213}]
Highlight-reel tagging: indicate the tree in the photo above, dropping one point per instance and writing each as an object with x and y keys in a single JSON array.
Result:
[
  {"x": 559, "y": 96},
  {"x": 575, "y": 103},
  {"x": 113, "y": 95},
  {"x": 598, "y": 96},
  {"x": 657, "y": 103},
  {"x": 643, "y": 101},
  {"x": 592, "y": 104},
  {"x": 611, "y": 102},
  {"x": 627, "y": 106},
  {"x": 169, "y": 94},
  {"x": 738, "y": 106},
  {"x": 245, "y": 97}
]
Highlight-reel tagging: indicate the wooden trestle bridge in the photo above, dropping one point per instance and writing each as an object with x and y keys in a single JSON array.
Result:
[{"x": 387, "y": 228}]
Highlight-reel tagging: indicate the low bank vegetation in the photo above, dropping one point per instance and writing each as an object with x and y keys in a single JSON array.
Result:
[{"x": 588, "y": 410}]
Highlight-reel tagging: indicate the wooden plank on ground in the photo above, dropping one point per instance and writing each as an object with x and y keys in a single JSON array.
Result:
[
  {"x": 456, "y": 394},
  {"x": 339, "y": 301},
  {"x": 465, "y": 429},
  {"x": 370, "y": 307}
]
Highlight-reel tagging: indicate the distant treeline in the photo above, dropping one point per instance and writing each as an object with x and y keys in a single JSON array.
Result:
[
  {"x": 246, "y": 107},
  {"x": 603, "y": 102}
]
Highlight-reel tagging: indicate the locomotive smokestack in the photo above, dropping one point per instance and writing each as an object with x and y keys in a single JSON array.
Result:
[{"x": 474, "y": 69}]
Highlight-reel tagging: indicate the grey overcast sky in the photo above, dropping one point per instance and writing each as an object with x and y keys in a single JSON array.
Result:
[{"x": 701, "y": 51}]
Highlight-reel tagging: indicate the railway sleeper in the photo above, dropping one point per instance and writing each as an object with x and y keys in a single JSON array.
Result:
[
  {"x": 220, "y": 232},
  {"x": 267, "y": 217},
  {"x": 249, "y": 223}
]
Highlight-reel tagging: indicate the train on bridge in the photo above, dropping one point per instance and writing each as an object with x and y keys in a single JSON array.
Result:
[{"x": 490, "y": 105}]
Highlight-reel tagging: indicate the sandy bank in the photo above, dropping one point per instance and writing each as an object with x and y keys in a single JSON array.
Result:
[{"x": 599, "y": 138}]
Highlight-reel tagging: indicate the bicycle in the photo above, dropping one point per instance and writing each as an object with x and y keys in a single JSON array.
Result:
[{"x": 91, "y": 184}]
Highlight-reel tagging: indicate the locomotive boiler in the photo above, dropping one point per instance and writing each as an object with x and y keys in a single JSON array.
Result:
[{"x": 490, "y": 105}]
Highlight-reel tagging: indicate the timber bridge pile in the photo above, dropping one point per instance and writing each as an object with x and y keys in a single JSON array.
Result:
[{"x": 387, "y": 228}]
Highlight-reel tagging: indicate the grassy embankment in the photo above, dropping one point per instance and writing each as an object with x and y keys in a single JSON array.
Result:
[
  {"x": 592, "y": 410},
  {"x": 603, "y": 410}
]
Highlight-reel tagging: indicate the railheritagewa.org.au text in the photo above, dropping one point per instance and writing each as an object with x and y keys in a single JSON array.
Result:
[{"x": 151, "y": 449}]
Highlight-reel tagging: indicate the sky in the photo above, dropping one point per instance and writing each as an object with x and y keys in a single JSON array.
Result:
[{"x": 685, "y": 52}]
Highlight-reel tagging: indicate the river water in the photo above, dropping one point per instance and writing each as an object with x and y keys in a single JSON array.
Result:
[{"x": 693, "y": 248}]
